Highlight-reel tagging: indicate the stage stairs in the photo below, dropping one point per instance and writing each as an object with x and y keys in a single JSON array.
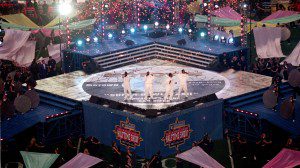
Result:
[
  {"x": 154, "y": 50},
  {"x": 245, "y": 113}
]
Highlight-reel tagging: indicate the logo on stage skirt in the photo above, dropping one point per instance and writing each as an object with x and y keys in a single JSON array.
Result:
[
  {"x": 177, "y": 134},
  {"x": 127, "y": 134}
]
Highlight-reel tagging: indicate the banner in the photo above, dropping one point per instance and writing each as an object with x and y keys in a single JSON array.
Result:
[
  {"x": 227, "y": 12},
  {"x": 280, "y": 14},
  {"x": 13, "y": 41},
  {"x": 81, "y": 161},
  {"x": 294, "y": 57},
  {"x": 267, "y": 42},
  {"x": 40, "y": 160}
]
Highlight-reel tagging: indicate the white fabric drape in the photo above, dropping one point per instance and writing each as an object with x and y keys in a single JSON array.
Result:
[
  {"x": 267, "y": 42},
  {"x": 17, "y": 48},
  {"x": 294, "y": 57}
]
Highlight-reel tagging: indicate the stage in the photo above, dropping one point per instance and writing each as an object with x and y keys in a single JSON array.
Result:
[{"x": 108, "y": 84}]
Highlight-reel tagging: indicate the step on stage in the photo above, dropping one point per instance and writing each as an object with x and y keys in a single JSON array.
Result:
[{"x": 108, "y": 85}]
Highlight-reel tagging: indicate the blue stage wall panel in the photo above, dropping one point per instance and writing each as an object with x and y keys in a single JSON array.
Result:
[{"x": 101, "y": 121}]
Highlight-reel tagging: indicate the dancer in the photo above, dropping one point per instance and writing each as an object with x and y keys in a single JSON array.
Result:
[
  {"x": 169, "y": 88},
  {"x": 183, "y": 76},
  {"x": 149, "y": 85},
  {"x": 127, "y": 88}
]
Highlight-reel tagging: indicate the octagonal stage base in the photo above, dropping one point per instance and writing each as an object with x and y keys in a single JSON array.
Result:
[
  {"x": 146, "y": 136},
  {"x": 107, "y": 88}
]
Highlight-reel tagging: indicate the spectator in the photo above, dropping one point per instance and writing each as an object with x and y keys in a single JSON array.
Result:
[
  {"x": 34, "y": 146},
  {"x": 52, "y": 67},
  {"x": 45, "y": 8},
  {"x": 34, "y": 69},
  {"x": 43, "y": 69},
  {"x": 116, "y": 155}
]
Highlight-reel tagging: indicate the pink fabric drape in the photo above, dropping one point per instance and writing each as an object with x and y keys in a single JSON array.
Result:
[
  {"x": 280, "y": 14},
  {"x": 197, "y": 156},
  {"x": 286, "y": 158},
  {"x": 267, "y": 42},
  {"x": 17, "y": 48},
  {"x": 227, "y": 12},
  {"x": 81, "y": 160},
  {"x": 294, "y": 57}
]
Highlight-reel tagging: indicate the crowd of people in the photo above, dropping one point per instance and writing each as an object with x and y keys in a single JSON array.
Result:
[{"x": 13, "y": 77}]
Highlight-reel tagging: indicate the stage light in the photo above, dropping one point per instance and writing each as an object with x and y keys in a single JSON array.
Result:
[
  {"x": 1, "y": 43},
  {"x": 230, "y": 41},
  {"x": 205, "y": 4},
  {"x": 156, "y": 23},
  {"x": 94, "y": 8},
  {"x": 216, "y": 37},
  {"x": 168, "y": 27},
  {"x": 132, "y": 30},
  {"x": 88, "y": 39},
  {"x": 79, "y": 42},
  {"x": 106, "y": 6},
  {"x": 202, "y": 34},
  {"x": 180, "y": 30},
  {"x": 216, "y": 6},
  {"x": 145, "y": 27},
  {"x": 95, "y": 39},
  {"x": 222, "y": 38},
  {"x": 110, "y": 35},
  {"x": 123, "y": 31},
  {"x": 190, "y": 30},
  {"x": 64, "y": 9},
  {"x": 245, "y": 5}
]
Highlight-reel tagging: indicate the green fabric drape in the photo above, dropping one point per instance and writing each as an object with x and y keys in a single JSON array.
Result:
[
  {"x": 284, "y": 20},
  {"x": 38, "y": 160}
]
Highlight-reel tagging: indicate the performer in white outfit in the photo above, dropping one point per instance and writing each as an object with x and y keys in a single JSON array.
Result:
[
  {"x": 149, "y": 85},
  {"x": 183, "y": 76},
  {"x": 169, "y": 87},
  {"x": 127, "y": 88}
]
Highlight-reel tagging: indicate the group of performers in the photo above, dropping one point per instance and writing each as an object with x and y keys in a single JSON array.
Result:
[{"x": 169, "y": 85}]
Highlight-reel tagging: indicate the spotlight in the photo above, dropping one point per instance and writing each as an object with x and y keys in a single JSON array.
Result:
[
  {"x": 132, "y": 30},
  {"x": 156, "y": 23},
  {"x": 205, "y": 4},
  {"x": 202, "y": 34},
  {"x": 190, "y": 30},
  {"x": 216, "y": 37},
  {"x": 123, "y": 32},
  {"x": 245, "y": 5},
  {"x": 95, "y": 39},
  {"x": 1, "y": 42},
  {"x": 230, "y": 41},
  {"x": 79, "y": 42},
  {"x": 168, "y": 27},
  {"x": 222, "y": 38},
  {"x": 64, "y": 9},
  {"x": 106, "y": 6},
  {"x": 216, "y": 6},
  {"x": 110, "y": 35},
  {"x": 94, "y": 8},
  {"x": 145, "y": 27},
  {"x": 180, "y": 30},
  {"x": 88, "y": 39}
]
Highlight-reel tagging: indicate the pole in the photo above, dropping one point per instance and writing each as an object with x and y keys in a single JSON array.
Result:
[
  {"x": 60, "y": 41},
  {"x": 250, "y": 37}
]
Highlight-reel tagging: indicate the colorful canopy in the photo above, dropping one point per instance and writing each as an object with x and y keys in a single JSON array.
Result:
[
  {"x": 280, "y": 14},
  {"x": 19, "y": 19},
  {"x": 197, "y": 156},
  {"x": 227, "y": 12},
  {"x": 40, "y": 160},
  {"x": 81, "y": 160},
  {"x": 286, "y": 158}
]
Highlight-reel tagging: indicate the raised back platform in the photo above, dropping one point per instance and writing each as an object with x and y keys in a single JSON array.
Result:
[{"x": 110, "y": 54}]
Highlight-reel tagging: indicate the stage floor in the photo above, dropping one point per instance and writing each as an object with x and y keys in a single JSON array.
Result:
[{"x": 79, "y": 86}]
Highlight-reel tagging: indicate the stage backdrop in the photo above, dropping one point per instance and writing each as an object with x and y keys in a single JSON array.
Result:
[{"x": 147, "y": 136}]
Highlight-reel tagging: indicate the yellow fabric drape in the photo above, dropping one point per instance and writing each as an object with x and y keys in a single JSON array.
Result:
[
  {"x": 19, "y": 19},
  {"x": 56, "y": 20}
]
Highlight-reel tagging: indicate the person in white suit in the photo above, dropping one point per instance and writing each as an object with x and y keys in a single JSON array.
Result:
[
  {"x": 126, "y": 85},
  {"x": 169, "y": 88},
  {"x": 183, "y": 76},
  {"x": 149, "y": 85}
]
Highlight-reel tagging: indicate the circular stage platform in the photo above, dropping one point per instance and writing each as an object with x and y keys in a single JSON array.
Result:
[{"x": 108, "y": 85}]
